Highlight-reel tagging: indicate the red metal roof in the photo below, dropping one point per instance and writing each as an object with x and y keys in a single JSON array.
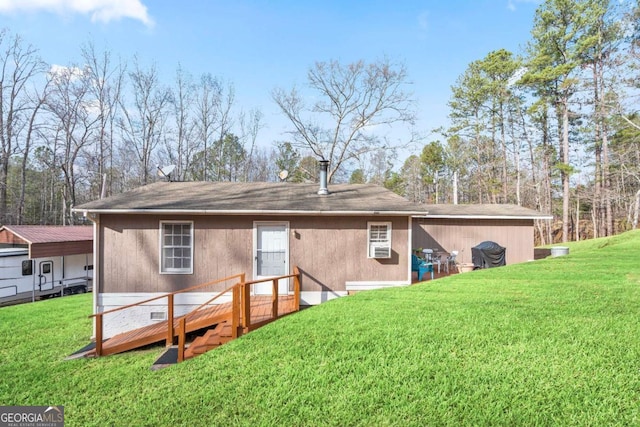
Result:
[
  {"x": 51, "y": 233},
  {"x": 50, "y": 240}
]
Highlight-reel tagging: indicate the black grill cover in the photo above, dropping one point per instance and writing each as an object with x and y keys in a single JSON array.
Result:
[{"x": 488, "y": 254}]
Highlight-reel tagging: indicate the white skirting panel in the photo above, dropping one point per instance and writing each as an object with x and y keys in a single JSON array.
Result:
[
  {"x": 365, "y": 286},
  {"x": 316, "y": 298},
  {"x": 156, "y": 311},
  {"x": 148, "y": 313}
]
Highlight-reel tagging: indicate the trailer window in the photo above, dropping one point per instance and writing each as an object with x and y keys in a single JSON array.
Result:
[{"x": 27, "y": 267}]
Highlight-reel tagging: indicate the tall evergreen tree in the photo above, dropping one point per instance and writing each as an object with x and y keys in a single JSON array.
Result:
[{"x": 556, "y": 54}]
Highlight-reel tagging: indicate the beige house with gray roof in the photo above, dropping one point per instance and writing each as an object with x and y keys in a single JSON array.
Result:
[
  {"x": 448, "y": 227},
  {"x": 168, "y": 236}
]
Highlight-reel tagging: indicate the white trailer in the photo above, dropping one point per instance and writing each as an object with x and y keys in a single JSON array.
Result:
[
  {"x": 23, "y": 279},
  {"x": 44, "y": 261}
]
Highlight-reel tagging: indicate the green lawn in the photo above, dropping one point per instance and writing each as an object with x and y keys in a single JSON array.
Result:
[{"x": 551, "y": 342}]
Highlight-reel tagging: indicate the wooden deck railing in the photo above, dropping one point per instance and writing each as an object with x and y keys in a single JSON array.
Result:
[
  {"x": 246, "y": 295},
  {"x": 241, "y": 308},
  {"x": 170, "y": 308}
]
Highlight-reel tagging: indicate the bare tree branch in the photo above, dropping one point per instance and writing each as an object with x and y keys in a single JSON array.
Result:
[{"x": 356, "y": 102}]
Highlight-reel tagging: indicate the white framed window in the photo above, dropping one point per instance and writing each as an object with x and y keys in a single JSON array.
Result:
[
  {"x": 176, "y": 247},
  {"x": 379, "y": 239}
]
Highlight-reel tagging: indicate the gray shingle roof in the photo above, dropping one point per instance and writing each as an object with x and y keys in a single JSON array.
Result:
[
  {"x": 255, "y": 198},
  {"x": 483, "y": 211}
]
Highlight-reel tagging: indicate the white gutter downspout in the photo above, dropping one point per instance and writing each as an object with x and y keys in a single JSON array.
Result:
[
  {"x": 410, "y": 247},
  {"x": 95, "y": 218}
]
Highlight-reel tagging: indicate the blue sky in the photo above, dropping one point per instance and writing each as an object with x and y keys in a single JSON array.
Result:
[{"x": 260, "y": 45}]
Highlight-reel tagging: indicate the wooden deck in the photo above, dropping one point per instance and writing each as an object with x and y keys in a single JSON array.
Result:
[
  {"x": 206, "y": 317},
  {"x": 261, "y": 307},
  {"x": 436, "y": 274}
]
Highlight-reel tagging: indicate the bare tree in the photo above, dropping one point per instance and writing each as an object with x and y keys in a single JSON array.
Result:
[
  {"x": 410, "y": 173},
  {"x": 213, "y": 119},
  {"x": 208, "y": 99},
  {"x": 106, "y": 79},
  {"x": 181, "y": 151},
  {"x": 264, "y": 167},
  {"x": 75, "y": 121},
  {"x": 19, "y": 64},
  {"x": 249, "y": 128},
  {"x": 142, "y": 124},
  {"x": 38, "y": 99},
  {"x": 225, "y": 122},
  {"x": 355, "y": 102}
]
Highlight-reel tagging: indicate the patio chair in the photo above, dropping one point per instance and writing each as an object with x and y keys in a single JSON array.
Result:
[
  {"x": 415, "y": 263},
  {"x": 451, "y": 260},
  {"x": 426, "y": 267},
  {"x": 436, "y": 259}
]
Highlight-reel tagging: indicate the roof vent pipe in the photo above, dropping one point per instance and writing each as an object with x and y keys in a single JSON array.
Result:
[{"x": 324, "y": 166}]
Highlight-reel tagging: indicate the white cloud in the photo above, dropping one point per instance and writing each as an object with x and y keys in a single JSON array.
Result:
[
  {"x": 61, "y": 71},
  {"x": 99, "y": 10}
]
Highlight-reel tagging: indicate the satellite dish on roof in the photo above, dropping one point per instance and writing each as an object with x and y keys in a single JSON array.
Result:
[
  {"x": 283, "y": 175},
  {"x": 166, "y": 171}
]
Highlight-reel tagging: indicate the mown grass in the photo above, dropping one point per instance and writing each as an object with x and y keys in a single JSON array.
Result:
[{"x": 551, "y": 342}]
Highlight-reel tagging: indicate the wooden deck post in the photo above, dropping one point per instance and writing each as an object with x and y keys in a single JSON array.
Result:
[
  {"x": 181, "y": 338},
  {"x": 241, "y": 311},
  {"x": 296, "y": 289},
  {"x": 246, "y": 305},
  {"x": 169, "y": 342},
  {"x": 235, "y": 312},
  {"x": 274, "y": 298},
  {"x": 99, "y": 334}
]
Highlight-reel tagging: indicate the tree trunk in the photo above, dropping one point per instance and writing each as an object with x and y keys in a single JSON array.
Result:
[
  {"x": 25, "y": 158},
  {"x": 636, "y": 211},
  {"x": 606, "y": 175},
  {"x": 4, "y": 168},
  {"x": 565, "y": 173},
  {"x": 577, "y": 218}
]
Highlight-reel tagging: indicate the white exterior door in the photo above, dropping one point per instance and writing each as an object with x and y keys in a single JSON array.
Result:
[
  {"x": 45, "y": 275},
  {"x": 271, "y": 255}
]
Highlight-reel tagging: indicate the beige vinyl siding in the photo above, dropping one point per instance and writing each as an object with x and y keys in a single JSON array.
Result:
[
  {"x": 463, "y": 234},
  {"x": 218, "y": 252},
  {"x": 333, "y": 251},
  {"x": 328, "y": 250}
]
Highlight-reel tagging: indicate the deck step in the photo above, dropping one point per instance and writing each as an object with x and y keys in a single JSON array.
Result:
[
  {"x": 204, "y": 318},
  {"x": 157, "y": 332},
  {"x": 214, "y": 337}
]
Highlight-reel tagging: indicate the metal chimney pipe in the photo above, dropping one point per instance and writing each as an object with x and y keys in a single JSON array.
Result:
[{"x": 324, "y": 166}]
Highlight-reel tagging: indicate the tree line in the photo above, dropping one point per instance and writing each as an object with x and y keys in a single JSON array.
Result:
[
  {"x": 75, "y": 133},
  {"x": 87, "y": 130},
  {"x": 554, "y": 128}
]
